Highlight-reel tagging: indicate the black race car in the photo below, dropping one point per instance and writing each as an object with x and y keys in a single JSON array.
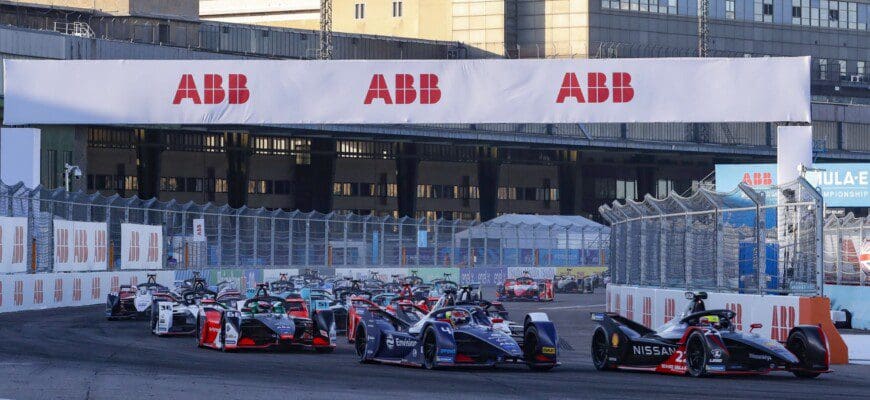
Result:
[{"x": 704, "y": 342}]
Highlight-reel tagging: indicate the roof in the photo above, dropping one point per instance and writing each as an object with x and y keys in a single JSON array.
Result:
[{"x": 545, "y": 220}]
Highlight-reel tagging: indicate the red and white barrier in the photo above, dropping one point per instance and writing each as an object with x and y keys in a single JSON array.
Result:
[
  {"x": 80, "y": 246},
  {"x": 778, "y": 314},
  {"x": 13, "y": 238},
  {"x": 23, "y": 292},
  {"x": 141, "y": 246}
]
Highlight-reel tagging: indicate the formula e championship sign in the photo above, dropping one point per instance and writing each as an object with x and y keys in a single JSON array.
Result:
[{"x": 268, "y": 92}]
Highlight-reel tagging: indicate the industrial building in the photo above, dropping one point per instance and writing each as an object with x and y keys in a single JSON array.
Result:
[{"x": 467, "y": 171}]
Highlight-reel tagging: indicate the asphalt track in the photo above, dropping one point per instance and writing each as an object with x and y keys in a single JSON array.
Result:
[{"x": 77, "y": 354}]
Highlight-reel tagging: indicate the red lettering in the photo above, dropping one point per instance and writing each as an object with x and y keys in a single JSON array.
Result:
[
  {"x": 239, "y": 93},
  {"x": 747, "y": 179},
  {"x": 378, "y": 90},
  {"x": 430, "y": 93},
  {"x": 186, "y": 90},
  {"x": 622, "y": 90},
  {"x": 598, "y": 92},
  {"x": 767, "y": 180},
  {"x": 214, "y": 92},
  {"x": 570, "y": 88},
  {"x": 405, "y": 92}
]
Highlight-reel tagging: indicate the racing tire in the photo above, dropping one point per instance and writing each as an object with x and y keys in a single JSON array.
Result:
[
  {"x": 797, "y": 345},
  {"x": 199, "y": 327},
  {"x": 530, "y": 349},
  {"x": 154, "y": 317},
  {"x": 600, "y": 350},
  {"x": 430, "y": 349},
  {"x": 223, "y": 337},
  {"x": 360, "y": 344},
  {"x": 696, "y": 355}
]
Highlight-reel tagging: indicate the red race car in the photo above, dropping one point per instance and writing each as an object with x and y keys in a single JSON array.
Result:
[{"x": 526, "y": 289}]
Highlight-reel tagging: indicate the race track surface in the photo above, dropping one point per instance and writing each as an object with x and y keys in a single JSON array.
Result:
[{"x": 77, "y": 354}]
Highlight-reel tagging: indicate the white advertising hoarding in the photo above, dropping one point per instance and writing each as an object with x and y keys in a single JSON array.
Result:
[
  {"x": 13, "y": 242},
  {"x": 80, "y": 246},
  {"x": 407, "y": 91},
  {"x": 141, "y": 246}
]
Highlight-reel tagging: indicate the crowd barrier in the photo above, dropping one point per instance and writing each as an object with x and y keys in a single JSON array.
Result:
[
  {"x": 777, "y": 314},
  {"x": 854, "y": 299}
]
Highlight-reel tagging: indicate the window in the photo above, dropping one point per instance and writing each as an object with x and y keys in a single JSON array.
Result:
[
  {"x": 860, "y": 65},
  {"x": 220, "y": 185},
  {"x": 796, "y": 14},
  {"x": 823, "y": 69},
  {"x": 359, "y": 11},
  {"x": 626, "y": 190},
  {"x": 833, "y": 15},
  {"x": 663, "y": 187},
  {"x": 842, "y": 65},
  {"x": 768, "y": 9},
  {"x": 397, "y": 9},
  {"x": 729, "y": 9}
]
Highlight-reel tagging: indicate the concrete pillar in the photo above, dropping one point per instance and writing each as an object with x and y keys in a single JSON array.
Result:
[
  {"x": 238, "y": 147},
  {"x": 570, "y": 182},
  {"x": 313, "y": 182},
  {"x": 149, "y": 148},
  {"x": 488, "y": 165},
  {"x": 407, "y": 164}
]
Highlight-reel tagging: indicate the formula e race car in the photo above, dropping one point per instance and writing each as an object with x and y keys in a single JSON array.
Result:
[
  {"x": 262, "y": 322},
  {"x": 177, "y": 314},
  {"x": 454, "y": 336},
  {"x": 704, "y": 342},
  {"x": 572, "y": 284},
  {"x": 526, "y": 289},
  {"x": 134, "y": 302}
]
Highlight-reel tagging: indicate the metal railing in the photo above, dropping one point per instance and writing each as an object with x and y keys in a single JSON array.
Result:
[
  {"x": 847, "y": 250},
  {"x": 275, "y": 238},
  {"x": 765, "y": 241}
]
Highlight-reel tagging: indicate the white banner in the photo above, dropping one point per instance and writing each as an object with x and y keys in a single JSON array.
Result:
[
  {"x": 13, "y": 242},
  {"x": 408, "y": 91},
  {"x": 198, "y": 230},
  {"x": 141, "y": 246},
  {"x": 80, "y": 246}
]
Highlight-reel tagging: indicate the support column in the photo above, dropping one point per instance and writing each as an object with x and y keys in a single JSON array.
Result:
[
  {"x": 313, "y": 182},
  {"x": 149, "y": 148},
  {"x": 570, "y": 182},
  {"x": 646, "y": 181},
  {"x": 238, "y": 162},
  {"x": 407, "y": 166},
  {"x": 488, "y": 166}
]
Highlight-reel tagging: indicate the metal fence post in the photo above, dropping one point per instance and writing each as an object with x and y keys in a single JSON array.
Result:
[
  {"x": 346, "y": 222},
  {"x": 838, "y": 254},
  {"x": 291, "y": 221},
  {"x": 383, "y": 242},
  {"x": 307, "y": 240},
  {"x": 272, "y": 240},
  {"x": 236, "y": 240},
  {"x": 365, "y": 235},
  {"x": 435, "y": 243},
  {"x": 417, "y": 247},
  {"x": 717, "y": 245},
  {"x": 401, "y": 226},
  {"x": 485, "y": 245},
  {"x": 326, "y": 240},
  {"x": 663, "y": 252}
]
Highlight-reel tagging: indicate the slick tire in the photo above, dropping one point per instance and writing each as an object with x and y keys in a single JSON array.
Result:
[
  {"x": 696, "y": 355},
  {"x": 430, "y": 349},
  {"x": 797, "y": 345},
  {"x": 360, "y": 344},
  {"x": 154, "y": 317},
  {"x": 600, "y": 350},
  {"x": 199, "y": 326}
]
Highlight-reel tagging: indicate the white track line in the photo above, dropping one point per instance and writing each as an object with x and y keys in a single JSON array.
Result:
[{"x": 570, "y": 307}]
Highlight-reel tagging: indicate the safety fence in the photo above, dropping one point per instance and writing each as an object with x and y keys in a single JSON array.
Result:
[
  {"x": 752, "y": 240},
  {"x": 847, "y": 250},
  {"x": 54, "y": 230}
]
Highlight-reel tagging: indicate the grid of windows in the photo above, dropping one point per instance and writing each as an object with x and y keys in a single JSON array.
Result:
[
  {"x": 817, "y": 13},
  {"x": 528, "y": 193},
  {"x": 364, "y": 189},
  {"x": 110, "y": 138},
  {"x": 370, "y": 150},
  {"x": 608, "y": 189},
  {"x": 112, "y": 182},
  {"x": 266, "y": 186},
  {"x": 426, "y": 191}
]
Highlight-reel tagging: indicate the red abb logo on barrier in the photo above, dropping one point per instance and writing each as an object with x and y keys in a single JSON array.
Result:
[
  {"x": 18, "y": 245},
  {"x": 116, "y": 284},
  {"x": 670, "y": 309},
  {"x": 18, "y": 294},
  {"x": 81, "y": 246},
  {"x": 77, "y": 289},
  {"x": 783, "y": 321},
  {"x": 738, "y": 314},
  {"x": 213, "y": 90},
  {"x": 58, "y": 290},
  {"x": 597, "y": 89},
  {"x": 133, "y": 253},
  {"x": 629, "y": 307},
  {"x": 152, "y": 247},
  {"x": 100, "y": 247},
  {"x": 134, "y": 281},
  {"x": 405, "y": 92},
  {"x": 61, "y": 243},
  {"x": 758, "y": 178},
  {"x": 617, "y": 305},
  {"x": 37, "y": 292},
  {"x": 647, "y": 312},
  {"x": 95, "y": 288}
]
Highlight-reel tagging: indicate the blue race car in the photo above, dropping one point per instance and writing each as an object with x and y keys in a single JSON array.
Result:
[{"x": 455, "y": 336}]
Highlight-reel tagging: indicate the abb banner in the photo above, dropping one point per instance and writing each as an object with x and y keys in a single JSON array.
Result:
[
  {"x": 80, "y": 246},
  {"x": 141, "y": 246},
  {"x": 13, "y": 242},
  {"x": 407, "y": 91}
]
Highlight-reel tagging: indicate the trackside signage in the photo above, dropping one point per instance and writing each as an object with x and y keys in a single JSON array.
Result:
[{"x": 388, "y": 92}]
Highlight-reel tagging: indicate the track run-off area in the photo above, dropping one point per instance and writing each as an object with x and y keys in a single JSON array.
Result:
[{"x": 75, "y": 353}]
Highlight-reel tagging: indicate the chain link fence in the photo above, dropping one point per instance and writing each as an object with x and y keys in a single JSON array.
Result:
[
  {"x": 847, "y": 250},
  {"x": 762, "y": 240},
  {"x": 243, "y": 238}
]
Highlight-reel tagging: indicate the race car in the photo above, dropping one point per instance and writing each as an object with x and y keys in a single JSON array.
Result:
[
  {"x": 133, "y": 302},
  {"x": 526, "y": 289},
  {"x": 572, "y": 284},
  {"x": 454, "y": 336},
  {"x": 705, "y": 342},
  {"x": 262, "y": 322},
  {"x": 177, "y": 315}
]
